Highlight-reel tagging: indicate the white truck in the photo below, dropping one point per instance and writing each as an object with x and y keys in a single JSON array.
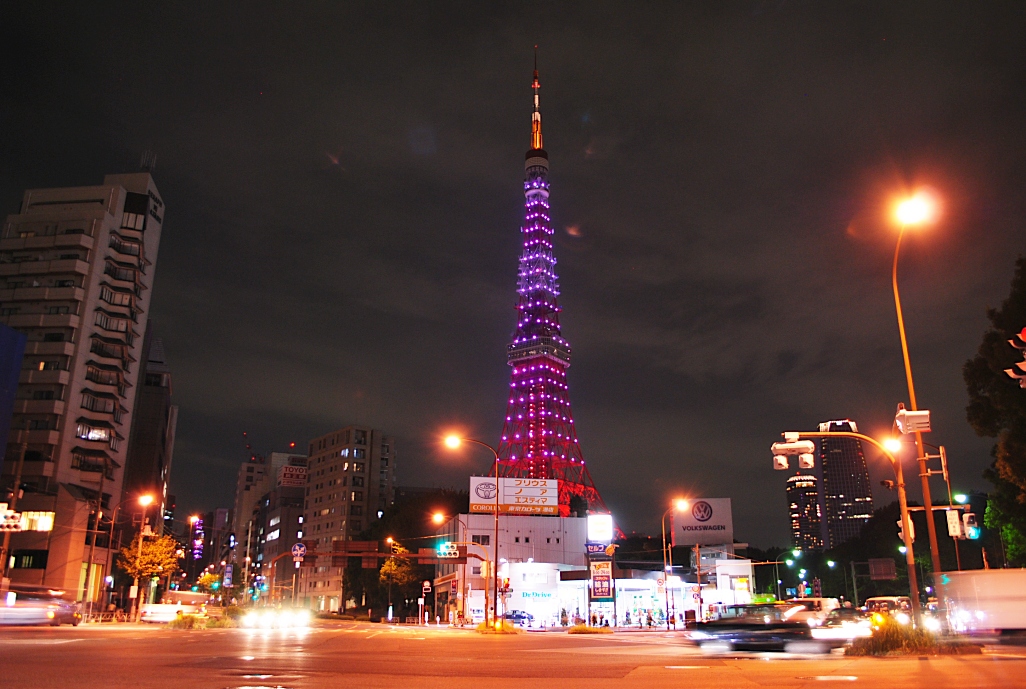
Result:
[{"x": 983, "y": 600}]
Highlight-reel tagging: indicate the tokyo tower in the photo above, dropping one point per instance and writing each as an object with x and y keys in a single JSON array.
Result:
[{"x": 538, "y": 437}]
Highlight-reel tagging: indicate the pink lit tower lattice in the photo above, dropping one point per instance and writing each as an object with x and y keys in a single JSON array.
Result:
[{"x": 538, "y": 437}]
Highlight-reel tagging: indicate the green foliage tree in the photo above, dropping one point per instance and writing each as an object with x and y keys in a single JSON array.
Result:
[
  {"x": 997, "y": 409},
  {"x": 399, "y": 571},
  {"x": 159, "y": 557},
  {"x": 209, "y": 582}
]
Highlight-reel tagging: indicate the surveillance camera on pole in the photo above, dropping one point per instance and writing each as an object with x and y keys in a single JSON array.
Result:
[
  {"x": 805, "y": 449},
  {"x": 1018, "y": 371},
  {"x": 909, "y": 421}
]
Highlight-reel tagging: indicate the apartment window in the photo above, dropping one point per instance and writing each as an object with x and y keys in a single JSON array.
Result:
[
  {"x": 475, "y": 570},
  {"x": 86, "y": 431},
  {"x": 53, "y": 337},
  {"x": 358, "y": 467},
  {"x": 359, "y": 454},
  {"x": 37, "y": 521},
  {"x": 115, "y": 297},
  {"x": 111, "y": 323},
  {"x": 274, "y": 521},
  {"x": 273, "y": 535},
  {"x": 39, "y": 424},
  {"x": 481, "y": 539},
  {"x": 249, "y": 470},
  {"x": 516, "y": 539},
  {"x": 94, "y": 402},
  {"x": 360, "y": 437},
  {"x": 357, "y": 481},
  {"x": 133, "y": 221},
  {"x": 49, "y": 365},
  {"x": 357, "y": 496},
  {"x": 548, "y": 540},
  {"x": 357, "y": 525},
  {"x": 356, "y": 509},
  {"x": 29, "y": 559},
  {"x": 384, "y": 461},
  {"x": 104, "y": 376},
  {"x": 63, "y": 283},
  {"x": 527, "y": 539},
  {"x": 9, "y": 311},
  {"x": 42, "y": 394}
]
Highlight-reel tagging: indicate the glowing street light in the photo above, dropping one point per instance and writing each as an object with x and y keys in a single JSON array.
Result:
[
  {"x": 961, "y": 498},
  {"x": 438, "y": 518},
  {"x": 453, "y": 441},
  {"x": 919, "y": 209},
  {"x": 831, "y": 564},
  {"x": 892, "y": 445},
  {"x": 679, "y": 504}
]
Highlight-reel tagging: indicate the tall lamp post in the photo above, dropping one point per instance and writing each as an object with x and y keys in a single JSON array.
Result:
[
  {"x": 453, "y": 442},
  {"x": 679, "y": 505},
  {"x": 914, "y": 211},
  {"x": 144, "y": 502}
]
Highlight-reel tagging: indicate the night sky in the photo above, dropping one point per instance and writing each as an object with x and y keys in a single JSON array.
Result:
[{"x": 343, "y": 184}]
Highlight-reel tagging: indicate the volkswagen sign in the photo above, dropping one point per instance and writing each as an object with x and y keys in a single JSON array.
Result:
[{"x": 708, "y": 522}]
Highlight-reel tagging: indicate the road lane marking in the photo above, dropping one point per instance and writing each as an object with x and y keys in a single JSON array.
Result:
[
  {"x": 686, "y": 667},
  {"x": 832, "y": 678}
]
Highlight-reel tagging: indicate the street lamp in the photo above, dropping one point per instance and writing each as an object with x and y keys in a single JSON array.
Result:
[
  {"x": 437, "y": 518},
  {"x": 679, "y": 505},
  {"x": 453, "y": 442},
  {"x": 144, "y": 502},
  {"x": 915, "y": 211}
]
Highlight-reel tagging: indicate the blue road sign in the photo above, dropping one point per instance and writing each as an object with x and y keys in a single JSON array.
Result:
[{"x": 298, "y": 550}]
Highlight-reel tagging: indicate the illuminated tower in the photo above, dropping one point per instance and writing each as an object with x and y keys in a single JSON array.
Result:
[{"x": 538, "y": 438}]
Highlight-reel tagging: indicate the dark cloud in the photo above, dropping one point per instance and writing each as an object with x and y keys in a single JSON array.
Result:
[{"x": 343, "y": 191}]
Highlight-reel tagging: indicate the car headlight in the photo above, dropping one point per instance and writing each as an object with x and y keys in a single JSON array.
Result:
[
  {"x": 932, "y": 623},
  {"x": 250, "y": 620},
  {"x": 700, "y": 635},
  {"x": 902, "y": 618}
]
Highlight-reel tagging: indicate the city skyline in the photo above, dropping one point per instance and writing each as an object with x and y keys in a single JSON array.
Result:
[{"x": 344, "y": 220}]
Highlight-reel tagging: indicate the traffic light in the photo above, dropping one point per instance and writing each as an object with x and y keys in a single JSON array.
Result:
[
  {"x": 1018, "y": 371},
  {"x": 806, "y": 460},
  {"x": 911, "y": 531},
  {"x": 817, "y": 588},
  {"x": 972, "y": 529}
]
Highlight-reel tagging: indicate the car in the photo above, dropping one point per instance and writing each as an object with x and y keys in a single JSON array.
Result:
[
  {"x": 844, "y": 624},
  {"x": 38, "y": 608},
  {"x": 524, "y": 619},
  {"x": 765, "y": 627},
  {"x": 816, "y": 609}
]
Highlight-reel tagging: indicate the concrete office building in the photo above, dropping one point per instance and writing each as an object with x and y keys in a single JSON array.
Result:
[
  {"x": 350, "y": 483},
  {"x": 804, "y": 512},
  {"x": 280, "y": 526},
  {"x": 152, "y": 442},
  {"x": 76, "y": 276},
  {"x": 845, "y": 495}
]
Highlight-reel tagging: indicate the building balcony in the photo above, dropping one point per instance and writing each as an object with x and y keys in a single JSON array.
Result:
[
  {"x": 44, "y": 267},
  {"x": 42, "y": 294},
  {"x": 39, "y": 406},
  {"x": 21, "y": 321},
  {"x": 34, "y": 437},
  {"x": 29, "y": 469},
  {"x": 45, "y": 377},
  {"x": 49, "y": 348},
  {"x": 45, "y": 242}
]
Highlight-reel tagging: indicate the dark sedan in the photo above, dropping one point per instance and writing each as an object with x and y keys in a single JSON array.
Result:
[{"x": 770, "y": 627}]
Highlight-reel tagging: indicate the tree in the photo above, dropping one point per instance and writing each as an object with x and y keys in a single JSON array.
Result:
[
  {"x": 159, "y": 557},
  {"x": 209, "y": 582},
  {"x": 997, "y": 409},
  {"x": 399, "y": 571}
]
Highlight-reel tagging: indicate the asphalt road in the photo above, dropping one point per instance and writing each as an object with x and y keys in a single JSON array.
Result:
[{"x": 372, "y": 655}]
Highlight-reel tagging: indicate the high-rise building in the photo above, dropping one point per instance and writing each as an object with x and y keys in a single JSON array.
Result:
[
  {"x": 152, "y": 442},
  {"x": 845, "y": 495},
  {"x": 538, "y": 438},
  {"x": 350, "y": 483},
  {"x": 76, "y": 276},
  {"x": 803, "y": 508},
  {"x": 12, "y": 350},
  {"x": 256, "y": 479},
  {"x": 279, "y": 520}
]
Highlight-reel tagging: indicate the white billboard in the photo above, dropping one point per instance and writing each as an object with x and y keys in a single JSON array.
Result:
[
  {"x": 706, "y": 521},
  {"x": 291, "y": 477},
  {"x": 600, "y": 528},
  {"x": 516, "y": 495}
]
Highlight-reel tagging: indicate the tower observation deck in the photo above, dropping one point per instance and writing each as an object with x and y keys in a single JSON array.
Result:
[{"x": 538, "y": 438}]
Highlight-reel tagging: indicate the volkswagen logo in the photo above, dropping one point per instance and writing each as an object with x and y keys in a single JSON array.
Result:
[
  {"x": 486, "y": 491},
  {"x": 702, "y": 511}
]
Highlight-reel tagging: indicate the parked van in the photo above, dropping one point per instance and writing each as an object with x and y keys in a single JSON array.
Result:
[{"x": 816, "y": 609}]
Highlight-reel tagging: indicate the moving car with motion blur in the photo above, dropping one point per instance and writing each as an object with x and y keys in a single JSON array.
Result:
[
  {"x": 173, "y": 605},
  {"x": 38, "y": 607},
  {"x": 277, "y": 618},
  {"x": 519, "y": 617},
  {"x": 764, "y": 627},
  {"x": 816, "y": 609},
  {"x": 844, "y": 625}
]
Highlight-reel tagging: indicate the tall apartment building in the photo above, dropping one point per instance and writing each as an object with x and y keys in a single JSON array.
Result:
[
  {"x": 76, "y": 276},
  {"x": 350, "y": 482},
  {"x": 280, "y": 519},
  {"x": 845, "y": 495},
  {"x": 804, "y": 512}
]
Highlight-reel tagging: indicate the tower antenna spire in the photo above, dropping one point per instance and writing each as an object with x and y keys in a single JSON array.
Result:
[{"x": 536, "y": 131}]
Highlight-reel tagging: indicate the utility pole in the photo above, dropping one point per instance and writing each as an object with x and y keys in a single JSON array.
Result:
[{"x": 92, "y": 540}]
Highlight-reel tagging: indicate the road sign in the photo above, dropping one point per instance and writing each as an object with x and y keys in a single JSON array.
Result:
[
  {"x": 426, "y": 587},
  {"x": 882, "y": 569},
  {"x": 299, "y": 550}
]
